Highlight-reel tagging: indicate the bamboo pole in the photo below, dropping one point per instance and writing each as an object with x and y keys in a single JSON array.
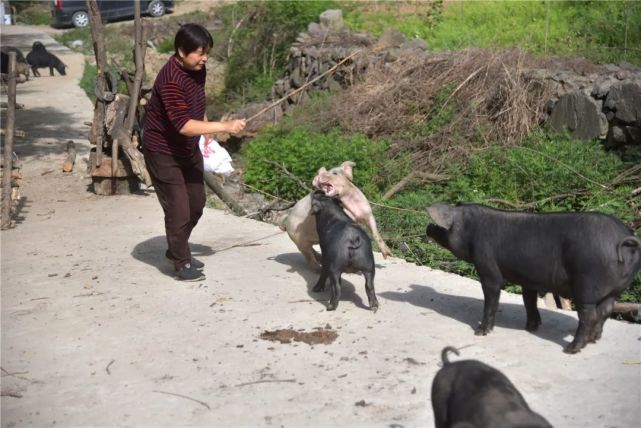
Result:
[{"x": 8, "y": 144}]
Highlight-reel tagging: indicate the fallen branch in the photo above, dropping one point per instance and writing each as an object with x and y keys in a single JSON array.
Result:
[
  {"x": 217, "y": 188},
  {"x": 266, "y": 381},
  {"x": 184, "y": 396},
  {"x": 289, "y": 174},
  {"x": 423, "y": 176},
  {"x": 109, "y": 365},
  {"x": 4, "y": 104}
]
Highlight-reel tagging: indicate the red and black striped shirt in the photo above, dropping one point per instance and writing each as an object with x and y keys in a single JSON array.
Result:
[{"x": 177, "y": 96}]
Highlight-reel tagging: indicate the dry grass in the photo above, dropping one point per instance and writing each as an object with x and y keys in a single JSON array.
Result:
[{"x": 485, "y": 97}]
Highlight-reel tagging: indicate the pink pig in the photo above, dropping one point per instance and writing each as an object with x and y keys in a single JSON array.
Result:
[{"x": 300, "y": 223}]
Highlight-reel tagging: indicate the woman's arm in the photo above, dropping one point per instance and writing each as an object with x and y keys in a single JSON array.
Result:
[{"x": 194, "y": 127}]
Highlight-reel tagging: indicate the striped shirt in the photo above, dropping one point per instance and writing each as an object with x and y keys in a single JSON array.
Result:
[{"x": 177, "y": 96}]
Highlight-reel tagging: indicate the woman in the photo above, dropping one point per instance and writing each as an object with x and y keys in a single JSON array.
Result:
[{"x": 176, "y": 118}]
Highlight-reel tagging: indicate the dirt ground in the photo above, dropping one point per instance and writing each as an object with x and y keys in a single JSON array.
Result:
[{"x": 96, "y": 331}]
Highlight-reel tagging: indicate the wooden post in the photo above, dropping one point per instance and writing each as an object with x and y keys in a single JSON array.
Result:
[
  {"x": 139, "y": 59},
  {"x": 8, "y": 144},
  {"x": 67, "y": 166},
  {"x": 101, "y": 62},
  {"x": 222, "y": 194}
]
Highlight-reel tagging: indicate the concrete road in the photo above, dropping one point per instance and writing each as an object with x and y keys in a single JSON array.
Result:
[{"x": 96, "y": 332}]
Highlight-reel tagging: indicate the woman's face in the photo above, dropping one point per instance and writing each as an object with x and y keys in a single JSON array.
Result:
[{"x": 195, "y": 60}]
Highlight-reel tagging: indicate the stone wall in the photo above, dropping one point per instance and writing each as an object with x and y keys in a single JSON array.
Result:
[{"x": 594, "y": 102}]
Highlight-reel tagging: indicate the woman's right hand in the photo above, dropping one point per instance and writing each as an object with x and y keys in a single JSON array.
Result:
[{"x": 235, "y": 126}]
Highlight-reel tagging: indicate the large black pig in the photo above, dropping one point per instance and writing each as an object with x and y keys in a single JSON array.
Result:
[{"x": 587, "y": 257}]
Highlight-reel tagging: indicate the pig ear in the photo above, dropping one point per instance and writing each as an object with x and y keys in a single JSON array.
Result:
[
  {"x": 315, "y": 205},
  {"x": 347, "y": 168},
  {"x": 443, "y": 215}
]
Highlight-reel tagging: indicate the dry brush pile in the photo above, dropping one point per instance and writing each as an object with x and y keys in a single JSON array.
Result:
[{"x": 488, "y": 94}]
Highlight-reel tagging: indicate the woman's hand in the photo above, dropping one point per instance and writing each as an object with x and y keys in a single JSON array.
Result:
[{"x": 235, "y": 126}]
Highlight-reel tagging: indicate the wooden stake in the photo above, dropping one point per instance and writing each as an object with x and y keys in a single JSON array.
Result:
[
  {"x": 67, "y": 166},
  {"x": 8, "y": 144}
]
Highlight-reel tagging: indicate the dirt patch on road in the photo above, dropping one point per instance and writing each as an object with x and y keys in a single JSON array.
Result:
[{"x": 322, "y": 335}]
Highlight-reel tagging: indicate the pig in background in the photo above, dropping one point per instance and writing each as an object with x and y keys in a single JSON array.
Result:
[
  {"x": 345, "y": 248},
  {"x": 22, "y": 68},
  {"x": 587, "y": 257},
  {"x": 300, "y": 224},
  {"x": 471, "y": 394},
  {"x": 40, "y": 57}
]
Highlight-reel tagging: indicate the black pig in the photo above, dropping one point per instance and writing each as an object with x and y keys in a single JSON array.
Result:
[
  {"x": 345, "y": 247},
  {"x": 40, "y": 57},
  {"x": 587, "y": 257},
  {"x": 469, "y": 393}
]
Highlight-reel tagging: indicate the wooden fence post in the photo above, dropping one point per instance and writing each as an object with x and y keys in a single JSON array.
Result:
[{"x": 8, "y": 144}]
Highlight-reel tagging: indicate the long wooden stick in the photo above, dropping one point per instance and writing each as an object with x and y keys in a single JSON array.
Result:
[
  {"x": 294, "y": 92},
  {"x": 8, "y": 144}
]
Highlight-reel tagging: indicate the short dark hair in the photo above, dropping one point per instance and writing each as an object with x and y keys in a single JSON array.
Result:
[{"x": 190, "y": 37}]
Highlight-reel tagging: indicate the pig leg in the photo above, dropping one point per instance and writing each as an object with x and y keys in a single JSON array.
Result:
[
  {"x": 491, "y": 283},
  {"x": 335, "y": 284},
  {"x": 320, "y": 284},
  {"x": 371, "y": 223},
  {"x": 587, "y": 324},
  {"x": 311, "y": 256},
  {"x": 50, "y": 71},
  {"x": 369, "y": 289},
  {"x": 533, "y": 317},
  {"x": 604, "y": 310}
]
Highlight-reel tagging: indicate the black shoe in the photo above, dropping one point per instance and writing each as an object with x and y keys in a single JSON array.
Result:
[
  {"x": 189, "y": 273},
  {"x": 197, "y": 263}
]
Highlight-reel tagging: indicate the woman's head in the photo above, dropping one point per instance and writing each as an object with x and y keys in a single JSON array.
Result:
[{"x": 192, "y": 45}]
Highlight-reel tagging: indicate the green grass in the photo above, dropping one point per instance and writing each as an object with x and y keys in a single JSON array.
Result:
[{"x": 593, "y": 29}]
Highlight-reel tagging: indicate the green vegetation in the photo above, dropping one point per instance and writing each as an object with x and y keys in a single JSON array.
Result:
[
  {"x": 597, "y": 30},
  {"x": 256, "y": 41},
  {"x": 32, "y": 13},
  {"x": 302, "y": 153}
]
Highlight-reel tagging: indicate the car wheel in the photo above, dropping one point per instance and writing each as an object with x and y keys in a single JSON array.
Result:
[
  {"x": 156, "y": 8},
  {"x": 80, "y": 19}
]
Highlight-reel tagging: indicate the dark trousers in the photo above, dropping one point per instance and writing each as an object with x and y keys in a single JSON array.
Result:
[{"x": 181, "y": 192}]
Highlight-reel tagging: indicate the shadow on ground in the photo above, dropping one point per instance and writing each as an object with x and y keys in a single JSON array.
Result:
[
  {"x": 297, "y": 264},
  {"x": 152, "y": 252},
  {"x": 469, "y": 310}
]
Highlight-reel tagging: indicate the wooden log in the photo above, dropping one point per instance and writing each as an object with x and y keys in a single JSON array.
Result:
[
  {"x": 5, "y": 223},
  {"x": 217, "y": 188},
  {"x": 6, "y": 105},
  {"x": 114, "y": 120},
  {"x": 67, "y": 165},
  {"x": 16, "y": 132},
  {"x": 628, "y": 311}
]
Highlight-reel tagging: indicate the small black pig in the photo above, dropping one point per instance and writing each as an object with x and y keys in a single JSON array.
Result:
[
  {"x": 587, "y": 257},
  {"x": 345, "y": 247},
  {"x": 40, "y": 57},
  {"x": 469, "y": 393}
]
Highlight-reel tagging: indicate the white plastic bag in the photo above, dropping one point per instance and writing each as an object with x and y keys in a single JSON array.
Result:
[{"x": 216, "y": 158}]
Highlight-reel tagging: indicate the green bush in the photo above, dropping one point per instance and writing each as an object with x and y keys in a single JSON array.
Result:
[
  {"x": 528, "y": 176},
  {"x": 596, "y": 30},
  {"x": 302, "y": 153},
  {"x": 260, "y": 34}
]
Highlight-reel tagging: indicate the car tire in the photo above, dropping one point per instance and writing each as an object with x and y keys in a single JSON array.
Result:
[
  {"x": 80, "y": 19},
  {"x": 156, "y": 8}
]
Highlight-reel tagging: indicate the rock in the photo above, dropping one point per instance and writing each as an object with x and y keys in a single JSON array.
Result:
[
  {"x": 390, "y": 38},
  {"x": 580, "y": 114},
  {"x": 624, "y": 100},
  {"x": 332, "y": 19},
  {"x": 415, "y": 44}
]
